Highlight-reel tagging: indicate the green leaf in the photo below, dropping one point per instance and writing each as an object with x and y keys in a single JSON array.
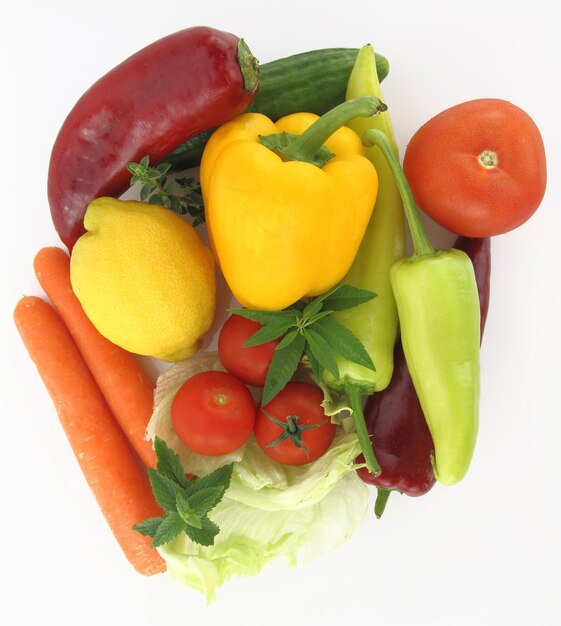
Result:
[
  {"x": 271, "y": 330},
  {"x": 186, "y": 512},
  {"x": 145, "y": 191},
  {"x": 283, "y": 365},
  {"x": 145, "y": 162},
  {"x": 150, "y": 526},
  {"x": 171, "y": 526},
  {"x": 317, "y": 369},
  {"x": 312, "y": 308},
  {"x": 163, "y": 168},
  {"x": 343, "y": 342},
  {"x": 263, "y": 317},
  {"x": 203, "y": 536},
  {"x": 169, "y": 187},
  {"x": 347, "y": 297},
  {"x": 288, "y": 339},
  {"x": 322, "y": 351},
  {"x": 176, "y": 205},
  {"x": 168, "y": 463},
  {"x": 155, "y": 199},
  {"x": 205, "y": 500},
  {"x": 165, "y": 489},
  {"x": 219, "y": 478}
]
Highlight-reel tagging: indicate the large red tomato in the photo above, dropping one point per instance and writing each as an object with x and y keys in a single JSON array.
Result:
[
  {"x": 293, "y": 428},
  {"x": 478, "y": 168},
  {"x": 213, "y": 413}
]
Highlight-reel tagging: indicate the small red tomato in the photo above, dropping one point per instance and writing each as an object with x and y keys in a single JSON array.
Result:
[
  {"x": 478, "y": 168},
  {"x": 213, "y": 413},
  {"x": 293, "y": 428},
  {"x": 249, "y": 364}
]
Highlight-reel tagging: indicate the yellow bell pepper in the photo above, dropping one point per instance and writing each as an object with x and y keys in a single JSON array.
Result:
[{"x": 287, "y": 203}]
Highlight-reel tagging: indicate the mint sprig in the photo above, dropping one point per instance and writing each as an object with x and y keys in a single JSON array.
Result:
[
  {"x": 306, "y": 329},
  {"x": 186, "y": 503},
  {"x": 156, "y": 188}
]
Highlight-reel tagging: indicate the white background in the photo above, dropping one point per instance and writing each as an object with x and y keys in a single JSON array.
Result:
[{"x": 486, "y": 551}]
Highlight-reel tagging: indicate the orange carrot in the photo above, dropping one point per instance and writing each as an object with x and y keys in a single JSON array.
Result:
[
  {"x": 115, "y": 475},
  {"x": 124, "y": 384}
]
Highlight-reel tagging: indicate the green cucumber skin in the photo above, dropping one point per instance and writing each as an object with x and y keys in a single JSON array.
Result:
[{"x": 313, "y": 81}]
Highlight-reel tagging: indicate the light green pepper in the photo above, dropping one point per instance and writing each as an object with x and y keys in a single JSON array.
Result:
[{"x": 439, "y": 314}]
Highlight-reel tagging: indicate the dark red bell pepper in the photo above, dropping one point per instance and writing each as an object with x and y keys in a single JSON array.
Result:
[
  {"x": 394, "y": 418},
  {"x": 171, "y": 90}
]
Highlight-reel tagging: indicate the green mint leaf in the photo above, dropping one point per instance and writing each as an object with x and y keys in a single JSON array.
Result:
[
  {"x": 165, "y": 489},
  {"x": 168, "y": 463},
  {"x": 322, "y": 351},
  {"x": 165, "y": 200},
  {"x": 169, "y": 187},
  {"x": 187, "y": 513},
  {"x": 317, "y": 369},
  {"x": 145, "y": 162},
  {"x": 271, "y": 330},
  {"x": 205, "y": 500},
  {"x": 347, "y": 297},
  {"x": 220, "y": 478},
  {"x": 203, "y": 536},
  {"x": 343, "y": 342},
  {"x": 150, "y": 526},
  {"x": 283, "y": 365},
  {"x": 171, "y": 526}
]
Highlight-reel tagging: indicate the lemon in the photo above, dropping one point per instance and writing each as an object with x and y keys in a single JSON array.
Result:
[{"x": 144, "y": 278}]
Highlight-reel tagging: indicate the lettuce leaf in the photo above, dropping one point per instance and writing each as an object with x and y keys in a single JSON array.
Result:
[{"x": 270, "y": 511}]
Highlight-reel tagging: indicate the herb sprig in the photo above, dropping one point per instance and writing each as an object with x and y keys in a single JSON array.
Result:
[
  {"x": 186, "y": 502},
  {"x": 157, "y": 188},
  {"x": 307, "y": 329}
]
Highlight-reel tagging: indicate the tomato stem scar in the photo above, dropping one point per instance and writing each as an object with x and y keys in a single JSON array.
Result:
[{"x": 488, "y": 159}]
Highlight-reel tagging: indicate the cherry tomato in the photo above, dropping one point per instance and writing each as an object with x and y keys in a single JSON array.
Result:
[
  {"x": 306, "y": 432},
  {"x": 478, "y": 168},
  {"x": 213, "y": 413},
  {"x": 249, "y": 364}
]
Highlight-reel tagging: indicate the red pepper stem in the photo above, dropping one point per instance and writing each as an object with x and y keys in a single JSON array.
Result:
[
  {"x": 381, "y": 501},
  {"x": 375, "y": 137},
  {"x": 355, "y": 400},
  {"x": 249, "y": 67}
]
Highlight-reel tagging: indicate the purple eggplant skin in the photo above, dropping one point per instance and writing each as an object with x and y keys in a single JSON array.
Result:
[{"x": 394, "y": 418}]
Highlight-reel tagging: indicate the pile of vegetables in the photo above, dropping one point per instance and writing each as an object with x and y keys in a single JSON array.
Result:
[{"x": 344, "y": 361}]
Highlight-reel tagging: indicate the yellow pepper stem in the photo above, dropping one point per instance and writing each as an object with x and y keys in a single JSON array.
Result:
[
  {"x": 309, "y": 146},
  {"x": 375, "y": 137}
]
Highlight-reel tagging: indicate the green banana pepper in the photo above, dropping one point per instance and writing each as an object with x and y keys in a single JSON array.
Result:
[
  {"x": 374, "y": 323},
  {"x": 439, "y": 314}
]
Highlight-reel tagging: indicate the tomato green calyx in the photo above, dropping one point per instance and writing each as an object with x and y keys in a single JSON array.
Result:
[
  {"x": 375, "y": 137},
  {"x": 309, "y": 146},
  {"x": 292, "y": 430},
  {"x": 488, "y": 159}
]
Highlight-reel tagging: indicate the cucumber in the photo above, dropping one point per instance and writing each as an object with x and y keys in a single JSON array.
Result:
[{"x": 314, "y": 81}]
